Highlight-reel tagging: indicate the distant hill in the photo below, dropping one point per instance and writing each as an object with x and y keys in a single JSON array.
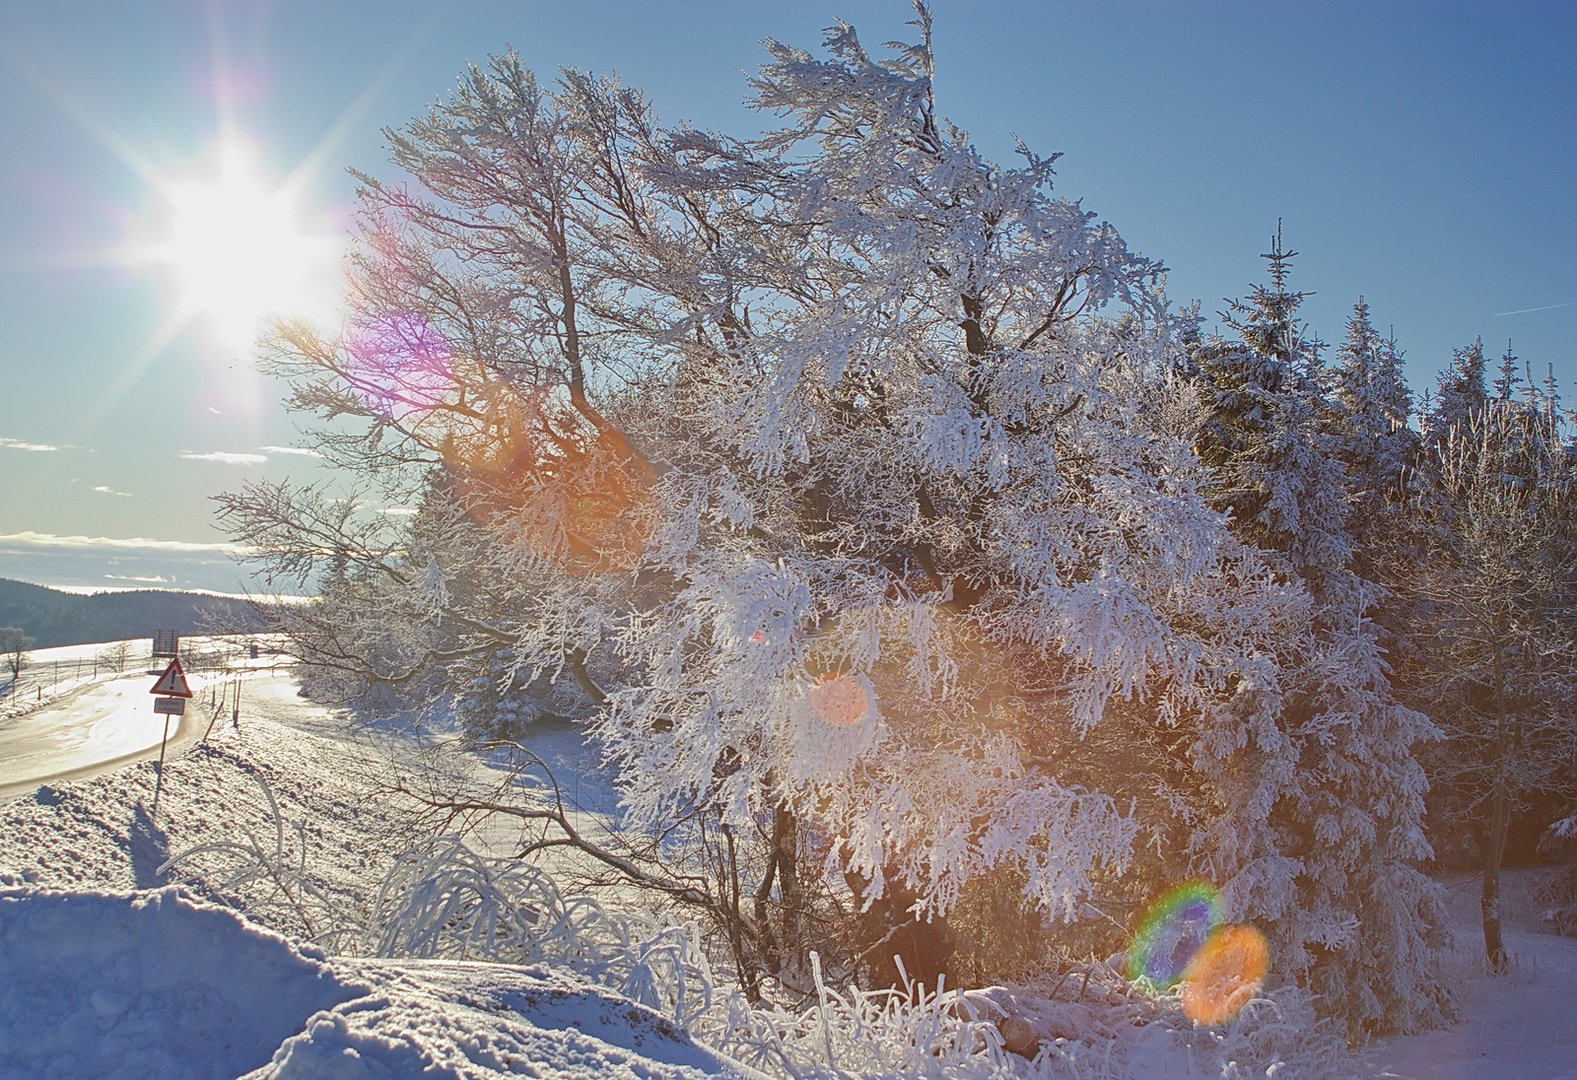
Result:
[{"x": 51, "y": 617}]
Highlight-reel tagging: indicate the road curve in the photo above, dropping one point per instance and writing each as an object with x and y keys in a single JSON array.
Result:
[{"x": 102, "y": 726}]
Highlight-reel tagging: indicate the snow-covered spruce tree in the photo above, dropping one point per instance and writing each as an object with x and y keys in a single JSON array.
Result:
[
  {"x": 1380, "y": 454},
  {"x": 1460, "y": 392},
  {"x": 1348, "y": 827},
  {"x": 1377, "y": 447},
  {"x": 1267, "y": 436},
  {"x": 838, "y": 471},
  {"x": 1508, "y": 377}
]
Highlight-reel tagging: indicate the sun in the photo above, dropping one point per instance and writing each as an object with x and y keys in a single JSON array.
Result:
[{"x": 238, "y": 247}]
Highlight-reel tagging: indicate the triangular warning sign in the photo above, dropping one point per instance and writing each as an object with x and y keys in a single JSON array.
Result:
[{"x": 172, "y": 682}]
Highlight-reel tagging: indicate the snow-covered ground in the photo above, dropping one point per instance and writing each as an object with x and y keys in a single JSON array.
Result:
[
  {"x": 99, "y": 980},
  {"x": 1520, "y": 1026},
  {"x": 105, "y": 971},
  {"x": 152, "y": 985}
]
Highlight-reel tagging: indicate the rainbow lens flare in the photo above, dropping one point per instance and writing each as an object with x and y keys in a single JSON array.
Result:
[
  {"x": 1227, "y": 971},
  {"x": 1173, "y": 929},
  {"x": 840, "y": 701}
]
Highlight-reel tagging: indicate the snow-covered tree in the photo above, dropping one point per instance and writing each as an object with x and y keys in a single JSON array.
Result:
[
  {"x": 13, "y": 651},
  {"x": 1276, "y": 445},
  {"x": 1508, "y": 377},
  {"x": 1460, "y": 391},
  {"x": 1379, "y": 452},
  {"x": 1266, "y": 436},
  {"x": 1377, "y": 446},
  {"x": 1502, "y": 582},
  {"x": 840, "y": 478}
]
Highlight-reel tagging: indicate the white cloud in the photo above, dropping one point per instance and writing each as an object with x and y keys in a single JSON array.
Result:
[
  {"x": 112, "y": 491},
  {"x": 225, "y": 458},
  {"x": 18, "y": 444},
  {"x": 292, "y": 450},
  {"x": 151, "y": 580},
  {"x": 29, "y": 538},
  {"x": 397, "y": 511}
]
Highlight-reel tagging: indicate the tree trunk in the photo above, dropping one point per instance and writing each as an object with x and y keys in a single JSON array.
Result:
[{"x": 1489, "y": 904}]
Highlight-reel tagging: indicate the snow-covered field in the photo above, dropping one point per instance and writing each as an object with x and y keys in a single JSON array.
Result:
[
  {"x": 1521, "y": 1026},
  {"x": 106, "y": 970}
]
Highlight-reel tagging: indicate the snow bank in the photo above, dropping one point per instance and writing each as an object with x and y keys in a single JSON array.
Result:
[
  {"x": 473, "y": 1020},
  {"x": 94, "y": 984},
  {"x": 124, "y": 986}
]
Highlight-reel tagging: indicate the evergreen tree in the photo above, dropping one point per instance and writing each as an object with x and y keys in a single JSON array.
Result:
[
  {"x": 1508, "y": 378},
  {"x": 1460, "y": 393},
  {"x": 1547, "y": 398},
  {"x": 1379, "y": 452},
  {"x": 1267, "y": 436},
  {"x": 1351, "y": 812}
]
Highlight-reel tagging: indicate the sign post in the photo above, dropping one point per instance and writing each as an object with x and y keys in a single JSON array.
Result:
[{"x": 173, "y": 690}]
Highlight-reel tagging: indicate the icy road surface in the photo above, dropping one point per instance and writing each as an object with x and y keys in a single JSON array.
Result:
[{"x": 102, "y": 724}]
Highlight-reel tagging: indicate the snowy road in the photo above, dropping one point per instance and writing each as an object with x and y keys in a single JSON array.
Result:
[{"x": 100, "y": 726}]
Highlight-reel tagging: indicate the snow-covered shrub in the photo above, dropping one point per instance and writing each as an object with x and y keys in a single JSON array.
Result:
[
  {"x": 270, "y": 881},
  {"x": 866, "y": 1033},
  {"x": 441, "y": 899},
  {"x": 916, "y": 1034}
]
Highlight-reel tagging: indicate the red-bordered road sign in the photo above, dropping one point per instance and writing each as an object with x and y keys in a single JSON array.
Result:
[{"x": 173, "y": 682}]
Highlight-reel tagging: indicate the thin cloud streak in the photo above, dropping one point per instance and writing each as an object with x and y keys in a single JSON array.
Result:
[
  {"x": 1524, "y": 311},
  {"x": 29, "y": 538},
  {"x": 302, "y": 451},
  {"x": 18, "y": 444},
  {"x": 225, "y": 458}
]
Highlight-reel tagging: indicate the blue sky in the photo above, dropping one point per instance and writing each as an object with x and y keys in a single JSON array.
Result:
[{"x": 1422, "y": 155}]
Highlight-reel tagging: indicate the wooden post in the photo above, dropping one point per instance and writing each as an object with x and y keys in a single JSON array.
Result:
[{"x": 158, "y": 784}]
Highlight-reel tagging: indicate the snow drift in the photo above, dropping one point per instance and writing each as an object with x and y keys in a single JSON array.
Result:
[
  {"x": 150, "y": 984},
  {"x": 95, "y": 984}
]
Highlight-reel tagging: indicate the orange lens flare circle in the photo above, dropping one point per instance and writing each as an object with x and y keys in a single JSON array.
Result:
[
  {"x": 840, "y": 701},
  {"x": 1225, "y": 974}
]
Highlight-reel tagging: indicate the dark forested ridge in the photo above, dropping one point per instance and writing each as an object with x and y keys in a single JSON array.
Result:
[{"x": 51, "y": 617}]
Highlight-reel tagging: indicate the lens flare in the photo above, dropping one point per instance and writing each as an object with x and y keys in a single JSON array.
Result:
[
  {"x": 1172, "y": 930},
  {"x": 398, "y": 364},
  {"x": 840, "y": 701},
  {"x": 1225, "y": 974}
]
